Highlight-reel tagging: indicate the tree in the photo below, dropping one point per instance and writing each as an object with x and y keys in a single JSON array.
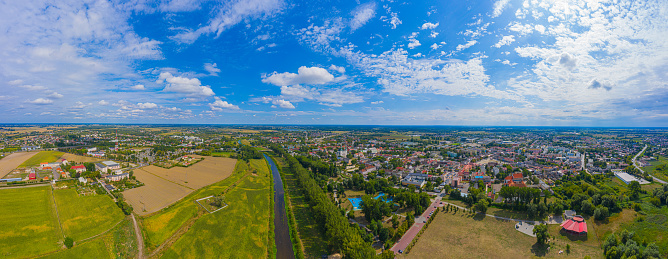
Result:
[
  {"x": 541, "y": 234},
  {"x": 634, "y": 187},
  {"x": 568, "y": 248},
  {"x": 395, "y": 221},
  {"x": 601, "y": 213},
  {"x": 69, "y": 242},
  {"x": 481, "y": 206},
  {"x": 587, "y": 207},
  {"x": 652, "y": 251},
  {"x": 610, "y": 242}
]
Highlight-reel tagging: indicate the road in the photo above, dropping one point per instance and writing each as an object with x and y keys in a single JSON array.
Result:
[
  {"x": 415, "y": 229},
  {"x": 105, "y": 188},
  {"x": 641, "y": 171}
]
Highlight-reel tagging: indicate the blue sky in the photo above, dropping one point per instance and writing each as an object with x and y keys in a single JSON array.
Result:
[{"x": 505, "y": 62}]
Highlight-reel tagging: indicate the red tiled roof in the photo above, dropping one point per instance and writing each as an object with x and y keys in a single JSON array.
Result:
[
  {"x": 78, "y": 167},
  {"x": 517, "y": 176}
]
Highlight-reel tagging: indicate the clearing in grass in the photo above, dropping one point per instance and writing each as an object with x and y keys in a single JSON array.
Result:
[
  {"x": 86, "y": 216},
  {"x": 240, "y": 230},
  {"x": 28, "y": 222},
  {"x": 42, "y": 157},
  {"x": 458, "y": 235}
]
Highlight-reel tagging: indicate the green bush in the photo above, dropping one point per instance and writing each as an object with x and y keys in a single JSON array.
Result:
[{"x": 69, "y": 242}]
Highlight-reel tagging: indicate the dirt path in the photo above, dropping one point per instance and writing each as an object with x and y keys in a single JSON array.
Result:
[
  {"x": 10, "y": 162},
  {"x": 140, "y": 238},
  {"x": 53, "y": 196}
]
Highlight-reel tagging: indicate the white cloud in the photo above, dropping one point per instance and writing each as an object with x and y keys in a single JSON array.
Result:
[
  {"x": 41, "y": 101},
  {"x": 33, "y": 87},
  {"x": 505, "y": 40},
  {"x": 219, "y": 105},
  {"x": 282, "y": 104},
  {"x": 540, "y": 28},
  {"x": 521, "y": 29},
  {"x": 361, "y": 15},
  {"x": 467, "y": 45},
  {"x": 190, "y": 86},
  {"x": 212, "y": 69},
  {"x": 15, "y": 82},
  {"x": 434, "y": 46},
  {"x": 433, "y": 34},
  {"x": 137, "y": 87},
  {"x": 305, "y": 75},
  {"x": 499, "y": 5},
  {"x": 230, "y": 15},
  {"x": 413, "y": 43},
  {"x": 395, "y": 20},
  {"x": 147, "y": 105},
  {"x": 377, "y": 102},
  {"x": 337, "y": 68},
  {"x": 103, "y": 102},
  {"x": 55, "y": 95},
  {"x": 429, "y": 26}
]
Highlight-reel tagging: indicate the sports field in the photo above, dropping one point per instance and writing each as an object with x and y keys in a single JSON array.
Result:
[
  {"x": 42, "y": 157},
  {"x": 240, "y": 230},
  {"x": 28, "y": 224},
  {"x": 462, "y": 236},
  {"x": 163, "y": 187},
  {"x": 159, "y": 226},
  {"x": 10, "y": 162},
  {"x": 86, "y": 216}
]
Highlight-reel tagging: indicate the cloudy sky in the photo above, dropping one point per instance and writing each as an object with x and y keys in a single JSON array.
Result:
[{"x": 505, "y": 62}]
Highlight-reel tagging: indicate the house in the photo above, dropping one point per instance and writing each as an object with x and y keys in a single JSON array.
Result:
[
  {"x": 29, "y": 148},
  {"x": 576, "y": 226},
  {"x": 79, "y": 168},
  {"x": 415, "y": 179},
  {"x": 32, "y": 176},
  {"x": 107, "y": 165},
  {"x": 83, "y": 180},
  {"x": 117, "y": 177},
  {"x": 516, "y": 178}
]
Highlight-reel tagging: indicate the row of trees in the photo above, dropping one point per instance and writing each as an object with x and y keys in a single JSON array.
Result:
[{"x": 340, "y": 235}]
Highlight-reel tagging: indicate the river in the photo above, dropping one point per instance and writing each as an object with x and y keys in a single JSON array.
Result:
[{"x": 281, "y": 228}]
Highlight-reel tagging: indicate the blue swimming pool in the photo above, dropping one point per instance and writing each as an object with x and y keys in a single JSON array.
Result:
[{"x": 357, "y": 201}]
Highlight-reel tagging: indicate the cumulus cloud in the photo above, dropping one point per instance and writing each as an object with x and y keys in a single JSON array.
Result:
[
  {"x": 467, "y": 45},
  {"x": 499, "y": 5},
  {"x": 219, "y": 105},
  {"x": 434, "y": 46},
  {"x": 377, "y": 102},
  {"x": 41, "y": 101},
  {"x": 429, "y": 26},
  {"x": 361, "y": 15},
  {"x": 413, "y": 43},
  {"x": 55, "y": 95},
  {"x": 137, "y": 87},
  {"x": 567, "y": 61},
  {"x": 304, "y": 75},
  {"x": 147, "y": 105},
  {"x": 192, "y": 87},
  {"x": 103, "y": 102},
  {"x": 212, "y": 69},
  {"x": 337, "y": 68},
  {"x": 595, "y": 84},
  {"x": 282, "y": 104},
  {"x": 505, "y": 40}
]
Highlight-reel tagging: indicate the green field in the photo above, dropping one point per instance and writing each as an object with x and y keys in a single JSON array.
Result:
[
  {"x": 661, "y": 160},
  {"x": 42, "y": 157},
  {"x": 86, "y": 216},
  {"x": 307, "y": 228},
  {"x": 28, "y": 224},
  {"x": 160, "y": 226},
  {"x": 119, "y": 243},
  {"x": 222, "y": 154},
  {"x": 240, "y": 230}
]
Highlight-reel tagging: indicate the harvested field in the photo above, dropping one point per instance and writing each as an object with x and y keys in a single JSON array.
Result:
[
  {"x": 166, "y": 186},
  {"x": 10, "y": 162},
  {"x": 80, "y": 159}
]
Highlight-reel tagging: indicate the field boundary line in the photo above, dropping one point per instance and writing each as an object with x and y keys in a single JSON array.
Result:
[
  {"x": 53, "y": 196},
  {"x": 207, "y": 210},
  {"x": 98, "y": 235}
]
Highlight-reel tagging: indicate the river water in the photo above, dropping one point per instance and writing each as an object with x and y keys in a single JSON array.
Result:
[{"x": 281, "y": 228}]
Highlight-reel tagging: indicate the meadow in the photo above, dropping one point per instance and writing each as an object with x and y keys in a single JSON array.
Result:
[
  {"x": 28, "y": 222},
  {"x": 159, "y": 226},
  {"x": 80, "y": 159},
  {"x": 459, "y": 235},
  {"x": 42, "y": 157},
  {"x": 240, "y": 230},
  {"x": 86, "y": 216}
]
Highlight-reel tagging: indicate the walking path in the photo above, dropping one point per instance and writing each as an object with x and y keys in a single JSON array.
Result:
[
  {"x": 140, "y": 238},
  {"x": 420, "y": 222}
]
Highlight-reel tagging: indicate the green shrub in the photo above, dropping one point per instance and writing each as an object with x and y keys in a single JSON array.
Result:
[{"x": 69, "y": 242}]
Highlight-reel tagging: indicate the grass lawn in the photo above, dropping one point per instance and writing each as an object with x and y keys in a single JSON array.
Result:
[
  {"x": 42, "y": 157},
  {"x": 86, "y": 216},
  {"x": 661, "y": 160},
  {"x": 307, "y": 227},
  {"x": 119, "y": 243},
  {"x": 240, "y": 230},
  {"x": 28, "y": 224},
  {"x": 160, "y": 226},
  {"x": 462, "y": 236}
]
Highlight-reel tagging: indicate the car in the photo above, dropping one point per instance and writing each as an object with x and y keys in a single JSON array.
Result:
[
  {"x": 401, "y": 251},
  {"x": 434, "y": 207},
  {"x": 424, "y": 221}
]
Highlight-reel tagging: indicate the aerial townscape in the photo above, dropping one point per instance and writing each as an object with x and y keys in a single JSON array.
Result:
[
  {"x": 332, "y": 129},
  {"x": 177, "y": 191}
]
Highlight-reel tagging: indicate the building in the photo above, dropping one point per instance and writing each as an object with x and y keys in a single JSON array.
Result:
[
  {"x": 627, "y": 178},
  {"x": 107, "y": 165},
  {"x": 79, "y": 168},
  {"x": 83, "y": 180},
  {"x": 576, "y": 226},
  {"x": 117, "y": 177},
  {"x": 32, "y": 176},
  {"x": 29, "y": 148},
  {"x": 415, "y": 179}
]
